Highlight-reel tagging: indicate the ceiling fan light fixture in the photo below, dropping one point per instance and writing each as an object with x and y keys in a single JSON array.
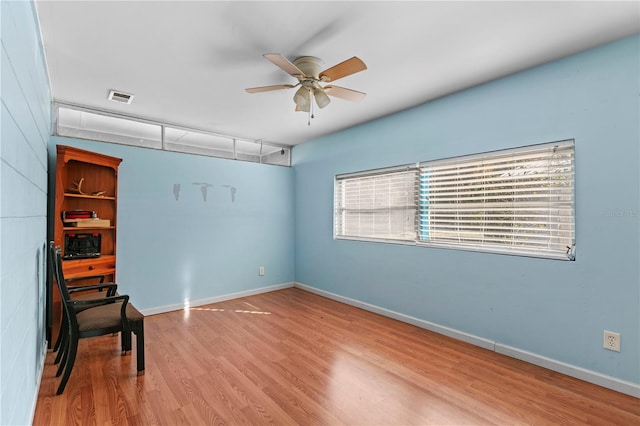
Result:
[
  {"x": 302, "y": 97},
  {"x": 303, "y": 108},
  {"x": 321, "y": 98}
]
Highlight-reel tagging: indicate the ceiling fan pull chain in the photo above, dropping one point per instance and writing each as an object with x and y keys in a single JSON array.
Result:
[{"x": 310, "y": 107}]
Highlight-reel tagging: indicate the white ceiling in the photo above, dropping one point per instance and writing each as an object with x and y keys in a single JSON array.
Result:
[{"x": 188, "y": 63}]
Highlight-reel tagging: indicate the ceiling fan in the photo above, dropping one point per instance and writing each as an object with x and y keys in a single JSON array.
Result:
[{"x": 307, "y": 70}]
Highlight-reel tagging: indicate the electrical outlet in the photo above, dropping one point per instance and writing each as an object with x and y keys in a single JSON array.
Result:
[
  {"x": 611, "y": 341},
  {"x": 261, "y": 271}
]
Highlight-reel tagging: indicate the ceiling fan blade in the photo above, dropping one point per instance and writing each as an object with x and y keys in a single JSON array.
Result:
[
  {"x": 343, "y": 69},
  {"x": 269, "y": 88},
  {"x": 344, "y": 93},
  {"x": 284, "y": 64}
]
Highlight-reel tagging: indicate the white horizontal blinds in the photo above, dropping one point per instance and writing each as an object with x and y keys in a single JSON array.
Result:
[
  {"x": 381, "y": 205},
  {"x": 517, "y": 201}
]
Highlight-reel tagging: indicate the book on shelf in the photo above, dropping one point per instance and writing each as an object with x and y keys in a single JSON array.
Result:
[{"x": 88, "y": 223}]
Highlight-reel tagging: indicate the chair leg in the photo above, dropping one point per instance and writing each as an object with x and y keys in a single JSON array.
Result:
[
  {"x": 125, "y": 339},
  {"x": 139, "y": 331},
  {"x": 71, "y": 359},
  {"x": 63, "y": 354},
  {"x": 63, "y": 341},
  {"x": 59, "y": 339}
]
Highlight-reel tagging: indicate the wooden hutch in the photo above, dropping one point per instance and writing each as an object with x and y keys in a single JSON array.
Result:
[{"x": 85, "y": 182}]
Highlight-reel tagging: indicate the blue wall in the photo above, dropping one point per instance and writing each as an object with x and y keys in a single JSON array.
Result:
[
  {"x": 174, "y": 246},
  {"x": 26, "y": 124},
  {"x": 554, "y": 309}
]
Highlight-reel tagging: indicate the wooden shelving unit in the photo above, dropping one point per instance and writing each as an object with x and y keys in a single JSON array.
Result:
[{"x": 99, "y": 174}]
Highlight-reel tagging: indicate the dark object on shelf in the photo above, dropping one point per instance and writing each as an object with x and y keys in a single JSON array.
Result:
[
  {"x": 78, "y": 214},
  {"x": 82, "y": 246}
]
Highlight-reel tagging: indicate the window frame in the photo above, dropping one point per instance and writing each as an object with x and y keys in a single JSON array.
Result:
[
  {"x": 369, "y": 174},
  {"x": 526, "y": 233}
]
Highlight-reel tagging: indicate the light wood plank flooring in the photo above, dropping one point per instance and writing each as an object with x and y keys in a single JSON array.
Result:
[{"x": 292, "y": 357}]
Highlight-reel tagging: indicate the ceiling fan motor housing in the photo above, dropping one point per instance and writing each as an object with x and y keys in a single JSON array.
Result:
[{"x": 309, "y": 65}]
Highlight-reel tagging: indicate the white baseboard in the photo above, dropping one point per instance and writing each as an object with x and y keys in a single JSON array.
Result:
[
  {"x": 43, "y": 358},
  {"x": 215, "y": 299},
  {"x": 590, "y": 376},
  {"x": 609, "y": 382}
]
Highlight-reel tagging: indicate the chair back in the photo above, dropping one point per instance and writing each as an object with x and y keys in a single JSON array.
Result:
[
  {"x": 75, "y": 308},
  {"x": 58, "y": 276}
]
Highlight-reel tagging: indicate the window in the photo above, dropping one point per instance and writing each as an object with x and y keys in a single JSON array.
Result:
[
  {"x": 378, "y": 205},
  {"x": 518, "y": 201},
  {"x": 84, "y": 123},
  {"x": 81, "y": 124},
  {"x": 182, "y": 140}
]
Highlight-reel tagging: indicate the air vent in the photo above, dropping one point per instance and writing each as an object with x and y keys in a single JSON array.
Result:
[{"x": 120, "y": 97}]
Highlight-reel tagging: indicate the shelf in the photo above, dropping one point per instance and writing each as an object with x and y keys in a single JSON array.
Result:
[
  {"x": 89, "y": 197},
  {"x": 81, "y": 228},
  {"x": 102, "y": 258}
]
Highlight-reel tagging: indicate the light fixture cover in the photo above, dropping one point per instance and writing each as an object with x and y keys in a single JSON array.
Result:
[
  {"x": 303, "y": 108},
  {"x": 301, "y": 98},
  {"x": 321, "y": 98}
]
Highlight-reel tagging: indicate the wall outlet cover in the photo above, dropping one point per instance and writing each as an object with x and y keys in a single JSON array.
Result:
[{"x": 611, "y": 341}]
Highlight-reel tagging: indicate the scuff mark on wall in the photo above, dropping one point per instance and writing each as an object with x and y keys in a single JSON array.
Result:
[
  {"x": 203, "y": 188},
  {"x": 232, "y": 190},
  {"x": 176, "y": 190}
]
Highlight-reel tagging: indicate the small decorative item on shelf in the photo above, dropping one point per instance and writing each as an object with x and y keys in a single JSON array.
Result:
[
  {"x": 77, "y": 187},
  {"x": 84, "y": 219},
  {"x": 82, "y": 246},
  {"x": 69, "y": 215}
]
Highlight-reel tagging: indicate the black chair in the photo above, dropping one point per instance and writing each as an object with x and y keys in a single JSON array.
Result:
[
  {"x": 95, "y": 317},
  {"x": 91, "y": 292}
]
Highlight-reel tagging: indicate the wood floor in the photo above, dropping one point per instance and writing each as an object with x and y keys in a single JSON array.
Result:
[{"x": 292, "y": 357}]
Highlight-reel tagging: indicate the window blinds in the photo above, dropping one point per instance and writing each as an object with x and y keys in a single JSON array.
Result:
[
  {"x": 377, "y": 205},
  {"x": 516, "y": 201}
]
